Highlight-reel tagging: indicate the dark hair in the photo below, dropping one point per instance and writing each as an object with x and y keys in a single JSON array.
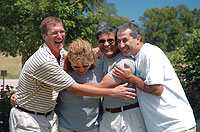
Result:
[
  {"x": 105, "y": 28},
  {"x": 132, "y": 26}
]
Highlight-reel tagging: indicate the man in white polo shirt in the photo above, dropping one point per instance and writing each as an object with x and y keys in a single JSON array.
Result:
[{"x": 162, "y": 100}]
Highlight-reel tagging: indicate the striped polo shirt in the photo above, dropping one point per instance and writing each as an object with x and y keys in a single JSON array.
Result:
[{"x": 41, "y": 80}]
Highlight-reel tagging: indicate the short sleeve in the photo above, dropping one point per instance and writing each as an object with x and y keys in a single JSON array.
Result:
[
  {"x": 53, "y": 75},
  {"x": 128, "y": 60}
]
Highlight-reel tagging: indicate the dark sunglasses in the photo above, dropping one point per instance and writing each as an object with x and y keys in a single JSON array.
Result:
[
  {"x": 85, "y": 66},
  {"x": 110, "y": 41}
]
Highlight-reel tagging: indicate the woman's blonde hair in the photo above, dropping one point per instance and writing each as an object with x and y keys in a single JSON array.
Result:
[{"x": 79, "y": 52}]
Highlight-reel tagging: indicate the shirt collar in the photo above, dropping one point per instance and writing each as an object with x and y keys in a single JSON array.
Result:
[{"x": 63, "y": 53}]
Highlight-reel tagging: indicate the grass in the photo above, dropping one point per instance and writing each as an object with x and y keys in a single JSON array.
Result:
[{"x": 13, "y": 66}]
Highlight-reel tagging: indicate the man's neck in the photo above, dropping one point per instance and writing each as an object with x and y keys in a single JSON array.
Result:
[{"x": 139, "y": 48}]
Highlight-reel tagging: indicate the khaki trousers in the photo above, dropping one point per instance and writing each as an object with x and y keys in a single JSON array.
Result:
[{"x": 21, "y": 121}]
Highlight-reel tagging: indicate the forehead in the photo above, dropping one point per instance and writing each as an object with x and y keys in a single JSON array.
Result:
[
  {"x": 107, "y": 35},
  {"x": 123, "y": 34},
  {"x": 80, "y": 60},
  {"x": 54, "y": 27},
  {"x": 80, "y": 63}
]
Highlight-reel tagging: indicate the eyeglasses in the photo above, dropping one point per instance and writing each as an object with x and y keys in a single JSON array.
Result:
[
  {"x": 110, "y": 41},
  {"x": 84, "y": 66}
]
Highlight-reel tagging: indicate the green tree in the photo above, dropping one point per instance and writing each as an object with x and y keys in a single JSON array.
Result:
[
  {"x": 196, "y": 13},
  {"x": 115, "y": 20},
  {"x": 20, "y": 20},
  {"x": 186, "y": 17},
  {"x": 109, "y": 8},
  {"x": 109, "y": 14},
  {"x": 187, "y": 64},
  {"x": 166, "y": 27}
]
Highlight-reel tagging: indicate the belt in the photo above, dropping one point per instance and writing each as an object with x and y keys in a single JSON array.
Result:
[
  {"x": 121, "y": 109},
  {"x": 32, "y": 112}
]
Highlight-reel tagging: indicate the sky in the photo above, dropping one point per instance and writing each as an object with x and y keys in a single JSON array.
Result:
[{"x": 133, "y": 9}]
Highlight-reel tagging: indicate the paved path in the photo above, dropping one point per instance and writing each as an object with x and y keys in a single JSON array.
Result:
[{"x": 10, "y": 82}]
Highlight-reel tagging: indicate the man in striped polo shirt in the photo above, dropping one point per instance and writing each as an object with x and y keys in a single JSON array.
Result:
[{"x": 41, "y": 80}]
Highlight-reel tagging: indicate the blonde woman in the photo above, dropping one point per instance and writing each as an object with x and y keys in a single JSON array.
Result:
[{"x": 80, "y": 113}]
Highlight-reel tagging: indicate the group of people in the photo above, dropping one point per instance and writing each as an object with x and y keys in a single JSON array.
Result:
[{"x": 131, "y": 87}]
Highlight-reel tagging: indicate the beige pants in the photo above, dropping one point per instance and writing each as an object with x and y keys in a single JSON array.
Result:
[
  {"x": 127, "y": 121},
  {"x": 21, "y": 121},
  {"x": 62, "y": 129}
]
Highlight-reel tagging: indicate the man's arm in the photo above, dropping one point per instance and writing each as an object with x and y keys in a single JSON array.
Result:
[
  {"x": 127, "y": 75},
  {"x": 109, "y": 82},
  {"x": 120, "y": 91}
]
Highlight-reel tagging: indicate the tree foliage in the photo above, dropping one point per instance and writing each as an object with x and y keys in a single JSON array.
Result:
[
  {"x": 109, "y": 15},
  {"x": 115, "y": 20},
  {"x": 166, "y": 27},
  {"x": 20, "y": 20},
  {"x": 186, "y": 61}
]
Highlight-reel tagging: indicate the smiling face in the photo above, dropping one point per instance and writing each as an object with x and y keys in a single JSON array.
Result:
[
  {"x": 127, "y": 44},
  {"x": 55, "y": 38},
  {"x": 107, "y": 44}
]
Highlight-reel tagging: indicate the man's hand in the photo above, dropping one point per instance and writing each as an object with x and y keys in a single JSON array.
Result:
[
  {"x": 123, "y": 92},
  {"x": 123, "y": 73},
  {"x": 126, "y": 74},
  {"x": 97, "y": 52},
  {"x": 12, "y": 100}
]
